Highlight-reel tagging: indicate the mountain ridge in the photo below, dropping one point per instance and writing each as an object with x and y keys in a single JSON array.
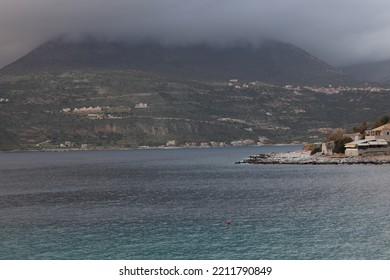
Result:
[{"x": 272, "y": 61}]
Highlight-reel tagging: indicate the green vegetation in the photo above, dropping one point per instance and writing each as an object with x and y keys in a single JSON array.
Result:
[
  {"x": 339, "y": 145},
  {"x": 41, "y": 110}
]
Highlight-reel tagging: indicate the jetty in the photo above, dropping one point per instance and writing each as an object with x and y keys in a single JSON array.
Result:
[{"x": 304, "y": 157}]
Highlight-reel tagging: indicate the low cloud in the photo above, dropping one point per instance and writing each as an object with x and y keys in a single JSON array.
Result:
[{"x": 339, "y": 32}]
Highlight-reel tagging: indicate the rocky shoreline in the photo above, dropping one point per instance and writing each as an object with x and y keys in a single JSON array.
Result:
[{"x": 304, "y": 157}]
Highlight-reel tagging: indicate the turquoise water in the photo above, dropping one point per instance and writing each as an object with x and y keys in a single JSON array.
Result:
[{"x": 175, "y": 204}]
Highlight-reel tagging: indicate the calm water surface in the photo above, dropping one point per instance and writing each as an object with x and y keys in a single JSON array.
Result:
[{"x": 174, "y": 204}]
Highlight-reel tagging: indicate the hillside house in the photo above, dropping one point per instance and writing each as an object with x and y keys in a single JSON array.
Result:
[
  {"x": 381, "y": 132},
  {"x": 66, "y": 110},
  {"x": 376, "y": 141},
  {"x": 141, "y": 106},
  {"x": 171, "y": 143},
  {"x": 86, "y": 110},
  {"x": 95, "y": 116}
]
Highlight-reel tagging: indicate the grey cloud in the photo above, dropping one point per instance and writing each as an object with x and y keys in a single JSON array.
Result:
[{"x": 339, "y": 32}]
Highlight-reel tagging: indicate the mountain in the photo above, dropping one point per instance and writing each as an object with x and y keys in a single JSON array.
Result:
[
  {"x": 272, "y": 62},
  {"x": 373, "y": 72},
  {"x": 98, "y": 94}
]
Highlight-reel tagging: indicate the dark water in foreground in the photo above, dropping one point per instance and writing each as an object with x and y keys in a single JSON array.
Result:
[{"x": 174, "y": 204}]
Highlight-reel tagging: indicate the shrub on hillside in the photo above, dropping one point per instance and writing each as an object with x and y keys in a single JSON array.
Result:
[{"x": 339, "y": 145}]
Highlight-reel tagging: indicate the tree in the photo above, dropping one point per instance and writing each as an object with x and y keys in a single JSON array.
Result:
[
  {"x": 339, "y": 145},
  {"x": 361, "y": 128},
  {"x": 335, "y": 134}
]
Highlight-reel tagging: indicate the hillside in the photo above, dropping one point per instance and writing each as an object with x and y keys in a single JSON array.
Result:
[
  {"x": 103, "y": 94},
  {"x": 126, "y": 108},
  {"x": 373, "y": 72},
  {"x": 272, "y": 62}
]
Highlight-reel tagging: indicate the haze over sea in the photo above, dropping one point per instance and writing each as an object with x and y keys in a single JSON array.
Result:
[{"x": 175, "y": 204}]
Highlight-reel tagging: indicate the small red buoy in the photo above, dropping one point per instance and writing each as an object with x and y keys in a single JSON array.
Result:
[{"x": 228, "y": 222}]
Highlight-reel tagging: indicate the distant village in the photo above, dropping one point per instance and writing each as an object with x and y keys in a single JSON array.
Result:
[
  {"x": 334, "y": 90},
  {"x": 237, "y": 85}
]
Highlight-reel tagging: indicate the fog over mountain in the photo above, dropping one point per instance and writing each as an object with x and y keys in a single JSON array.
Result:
[
  {"x": 273, "y": 62},
  {"x": 340, "y": 32}
]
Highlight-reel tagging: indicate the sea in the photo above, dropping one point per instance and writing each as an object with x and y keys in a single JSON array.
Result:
[{"x": 189, "y": 204}]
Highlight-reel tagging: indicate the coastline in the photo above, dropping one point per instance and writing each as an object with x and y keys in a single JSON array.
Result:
[
  {"x": 108, "y": 148},
  {"x": 304, "y": 158}
]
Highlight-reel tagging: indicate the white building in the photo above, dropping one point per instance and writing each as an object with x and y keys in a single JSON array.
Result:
[
  {"x": 365, "y": 146},
  {"x": 141, "y": 106},
  {"x": 171, "y": 143},
  {"x": 95, "y": 116},
  {"x": 327, "y": 148},
  {"x": 86, "y": 110},
  {"x": 381, "y": 132},
  {"x": 376, "y": 141}
]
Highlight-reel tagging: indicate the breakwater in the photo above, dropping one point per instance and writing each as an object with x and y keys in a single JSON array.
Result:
[{"x": 304, "y": 157}]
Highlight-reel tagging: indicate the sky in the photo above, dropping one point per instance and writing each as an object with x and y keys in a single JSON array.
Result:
[{"x": 340, "y": 32}]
